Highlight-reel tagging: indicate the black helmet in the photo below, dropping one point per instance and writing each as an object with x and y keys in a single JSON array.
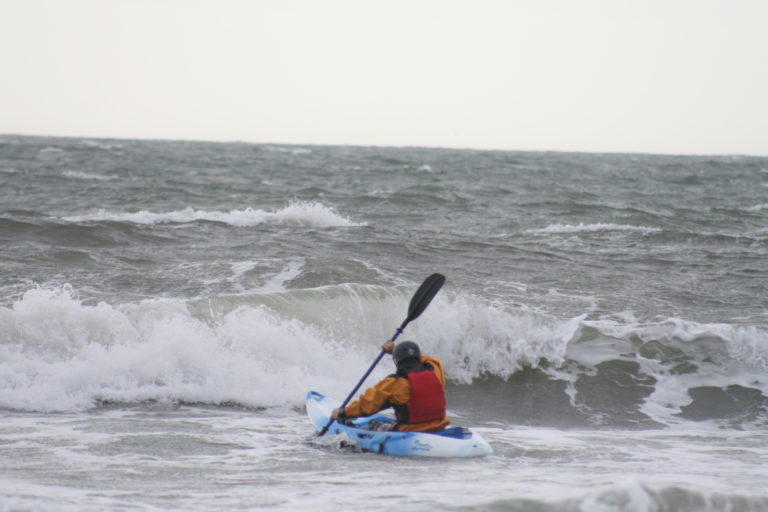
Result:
[{"x": 405, "y": 350}]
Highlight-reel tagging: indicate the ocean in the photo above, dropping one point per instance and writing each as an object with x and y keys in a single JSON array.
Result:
[{"x": 165, "y": 306}]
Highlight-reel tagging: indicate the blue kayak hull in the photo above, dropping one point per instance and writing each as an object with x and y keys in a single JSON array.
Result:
[{"x": 452, "y": 442}]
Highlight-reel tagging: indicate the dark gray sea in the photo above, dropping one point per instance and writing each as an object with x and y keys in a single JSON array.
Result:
[{"x": 165, "y": 306}]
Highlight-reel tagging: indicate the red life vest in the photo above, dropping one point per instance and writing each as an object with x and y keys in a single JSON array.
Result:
[{"x": 427, "y": 401}]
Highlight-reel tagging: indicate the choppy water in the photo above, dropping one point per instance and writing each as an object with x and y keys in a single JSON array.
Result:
[{"x": 165, "y": 306}]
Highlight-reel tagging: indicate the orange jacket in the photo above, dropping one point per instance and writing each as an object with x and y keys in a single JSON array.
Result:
[{"x": 394, "y": 390}]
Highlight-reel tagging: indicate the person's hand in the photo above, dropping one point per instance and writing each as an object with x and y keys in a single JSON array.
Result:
[
  {"x": 335, "y": 414},
  {"x": 388, "y": 346}
]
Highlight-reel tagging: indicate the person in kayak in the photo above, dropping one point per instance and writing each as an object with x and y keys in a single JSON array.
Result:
[{"x": 416, "y": 392}]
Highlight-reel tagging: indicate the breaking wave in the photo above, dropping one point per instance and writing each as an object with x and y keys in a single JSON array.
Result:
[
  {"x": 581, "y": 227},
  {"x": 297, "y": 213},
  {"x": 266, "y": 349}
]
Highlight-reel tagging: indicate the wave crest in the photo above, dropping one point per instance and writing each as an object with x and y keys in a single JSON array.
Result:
[
  {"x": 267, "y": 348},
  {"x": 297, "y": 213},
  {"x": 590, "y": 228}
]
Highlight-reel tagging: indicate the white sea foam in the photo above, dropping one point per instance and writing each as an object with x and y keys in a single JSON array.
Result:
[
  {"x": 57, "y": 354},
  {"x": 297, "y": 213},
  {"x": 250, "y": 276},
  {"x": 100, "y": 145},
  {"x": 581, "y": 227},
  {"x": 88, "y": 176},
  {"x": 277, "y": 281},
  {"x": 292, "y": 151},
  {"x": 757, "y": 208}
]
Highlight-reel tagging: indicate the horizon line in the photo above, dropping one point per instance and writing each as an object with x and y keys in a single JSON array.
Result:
[{"x": 400, "y": 146}]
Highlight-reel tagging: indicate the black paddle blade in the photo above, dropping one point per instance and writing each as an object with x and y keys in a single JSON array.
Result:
[{"x": 424, "y": 296}]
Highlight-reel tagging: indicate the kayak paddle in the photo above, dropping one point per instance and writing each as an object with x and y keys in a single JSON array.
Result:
[{"x": 419, "y": 303}]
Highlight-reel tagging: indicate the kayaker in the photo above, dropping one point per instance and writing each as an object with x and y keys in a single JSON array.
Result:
[{"x": 416, "y": 392}]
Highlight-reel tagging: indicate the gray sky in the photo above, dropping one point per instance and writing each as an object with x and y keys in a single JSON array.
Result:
[{"x": 660, "y": 76}]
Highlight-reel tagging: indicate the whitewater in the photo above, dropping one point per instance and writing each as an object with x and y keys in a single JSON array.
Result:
[{"x": 166, "y": 305}]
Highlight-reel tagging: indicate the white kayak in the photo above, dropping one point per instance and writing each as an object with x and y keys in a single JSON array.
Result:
[{"x": 451, "y": 442}]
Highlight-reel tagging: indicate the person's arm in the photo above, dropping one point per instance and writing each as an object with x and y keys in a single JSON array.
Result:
[{"x": 373, "y": 400}]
